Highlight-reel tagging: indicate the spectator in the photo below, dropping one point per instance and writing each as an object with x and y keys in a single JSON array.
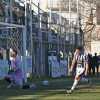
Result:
[
  {"x": 90, "y": 61},
  {"x": 96, "y": 64}
]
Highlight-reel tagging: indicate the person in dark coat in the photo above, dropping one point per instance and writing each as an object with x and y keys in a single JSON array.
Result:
[
  {"x": 96, "y": 63},
  {"x": 90, "y": 63}
]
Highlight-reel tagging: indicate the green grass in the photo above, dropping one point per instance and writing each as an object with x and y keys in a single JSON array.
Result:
[{"x": 55, "y": 91}]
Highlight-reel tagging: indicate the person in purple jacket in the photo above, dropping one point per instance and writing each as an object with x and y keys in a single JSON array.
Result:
[{"x": 15, "y": 75}]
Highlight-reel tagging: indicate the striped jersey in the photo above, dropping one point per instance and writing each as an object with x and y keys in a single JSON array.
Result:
[{"x": 81, "y": 59}]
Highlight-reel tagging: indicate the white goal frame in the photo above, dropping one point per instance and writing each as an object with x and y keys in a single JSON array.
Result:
[{"x": 10, "y": 25}]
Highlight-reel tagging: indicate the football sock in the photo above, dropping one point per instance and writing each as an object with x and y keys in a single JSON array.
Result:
[{"x": 74, "y": 84}]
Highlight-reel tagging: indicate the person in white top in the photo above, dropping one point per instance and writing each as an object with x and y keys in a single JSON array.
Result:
[{"x": 80, "y": 61}]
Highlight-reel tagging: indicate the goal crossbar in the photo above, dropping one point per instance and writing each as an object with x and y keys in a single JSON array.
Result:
[{"x": 12, "y": 25}]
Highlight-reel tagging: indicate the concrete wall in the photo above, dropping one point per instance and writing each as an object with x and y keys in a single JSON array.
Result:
[{"x": 95, "y": 47}]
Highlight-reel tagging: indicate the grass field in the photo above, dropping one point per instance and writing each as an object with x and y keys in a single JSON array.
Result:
[{"x": 55, "y": 91}]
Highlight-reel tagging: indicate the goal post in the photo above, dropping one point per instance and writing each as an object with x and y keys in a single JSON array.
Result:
[{"x": 3, "y": 26}]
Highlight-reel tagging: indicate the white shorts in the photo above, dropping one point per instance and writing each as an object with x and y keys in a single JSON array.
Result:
[{"x": 79, "y": 71}]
